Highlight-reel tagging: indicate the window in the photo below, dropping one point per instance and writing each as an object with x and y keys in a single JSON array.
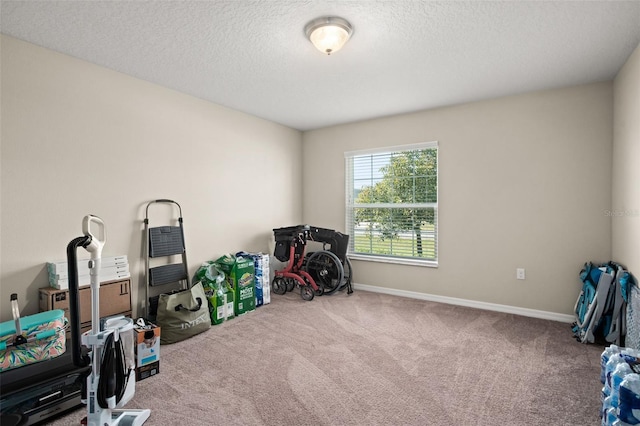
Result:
[{"x": 392, "y": 204}]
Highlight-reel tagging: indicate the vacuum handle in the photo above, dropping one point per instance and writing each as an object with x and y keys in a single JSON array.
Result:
[{"x": 93, "y": 226}]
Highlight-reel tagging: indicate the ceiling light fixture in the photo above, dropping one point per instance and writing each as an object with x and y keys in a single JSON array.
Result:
[{"x": 329, "y": 33}]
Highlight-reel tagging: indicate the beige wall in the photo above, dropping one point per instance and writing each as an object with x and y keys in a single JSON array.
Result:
[
  {"x": 524, "y": 182},
  {"x": 626, "y": 165},
  {"x": 80, "y": 139}
]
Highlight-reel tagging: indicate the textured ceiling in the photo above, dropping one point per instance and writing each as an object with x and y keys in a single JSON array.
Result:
[{"x": 404, "y": 55}]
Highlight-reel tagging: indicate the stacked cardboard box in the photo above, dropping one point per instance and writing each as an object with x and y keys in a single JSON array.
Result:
[
  {"x": 111, "y": 268},
  {"x": 263, "y": 288},
  {"x": 239, "y": 274}
]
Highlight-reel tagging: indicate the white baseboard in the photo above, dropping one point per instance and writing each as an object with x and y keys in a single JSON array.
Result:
[{"x": 553, "y": 316}]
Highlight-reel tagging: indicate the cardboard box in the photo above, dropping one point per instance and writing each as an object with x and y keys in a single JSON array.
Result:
[
  {"x": 147, "y": 371},
  {"x": 115, "y": 299},
  {"x": 239, "y": 274},
  {"x": 261, "y": 266},
  {"x": 147, "y": 351}
]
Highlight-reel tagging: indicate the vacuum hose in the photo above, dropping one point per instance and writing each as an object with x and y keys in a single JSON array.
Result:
[
  {"x": 114, "y": 373},
  {"x": 74, "y": 302}
]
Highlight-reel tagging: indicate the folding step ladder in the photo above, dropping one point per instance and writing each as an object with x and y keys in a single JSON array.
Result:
[{"x": 166, "y": 244}]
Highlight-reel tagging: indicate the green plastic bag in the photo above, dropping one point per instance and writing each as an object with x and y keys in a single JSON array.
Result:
[{"x": 219, "y": 295}]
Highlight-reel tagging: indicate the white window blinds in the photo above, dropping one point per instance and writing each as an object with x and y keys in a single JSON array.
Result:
[{"x": 392, "y": 202}]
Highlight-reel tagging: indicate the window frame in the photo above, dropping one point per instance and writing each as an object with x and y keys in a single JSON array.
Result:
[{"x": 351, "y": 205}]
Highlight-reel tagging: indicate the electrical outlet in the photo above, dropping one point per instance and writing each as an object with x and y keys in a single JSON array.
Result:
[{"x": 520, "y": 273}]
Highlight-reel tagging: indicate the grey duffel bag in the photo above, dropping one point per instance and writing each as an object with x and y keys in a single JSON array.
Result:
[{"x": 182, "y": 315}]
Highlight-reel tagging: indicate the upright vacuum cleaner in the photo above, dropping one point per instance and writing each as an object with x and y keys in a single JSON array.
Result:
[
  {"x": 37, "y": 392},
  {"x": 111, "y": 382}
]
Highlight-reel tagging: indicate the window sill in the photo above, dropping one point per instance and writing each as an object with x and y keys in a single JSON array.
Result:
[{"x": 394, "y": 260}]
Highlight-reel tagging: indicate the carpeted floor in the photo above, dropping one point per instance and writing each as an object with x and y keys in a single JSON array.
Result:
[{"x": 373, "y": 359}]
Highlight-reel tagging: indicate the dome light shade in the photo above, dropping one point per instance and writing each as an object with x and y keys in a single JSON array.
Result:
[{"x": 329, "y": 33}]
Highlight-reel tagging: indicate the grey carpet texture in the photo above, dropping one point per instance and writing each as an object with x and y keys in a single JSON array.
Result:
[{"x": 373, "y": 359}]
